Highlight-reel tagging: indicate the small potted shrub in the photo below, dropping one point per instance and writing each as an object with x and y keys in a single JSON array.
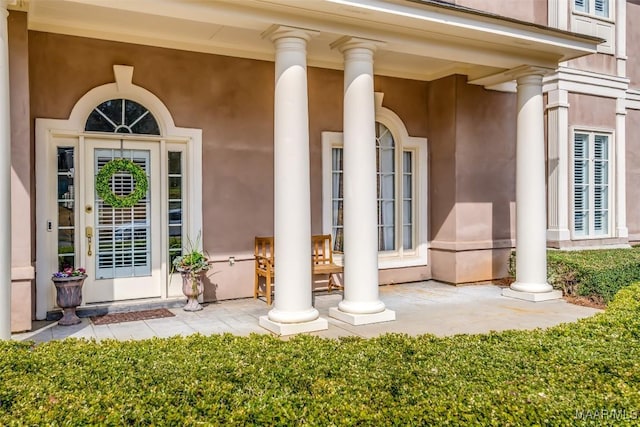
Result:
[
  {"x": 191, "y": 265},
  {"x": 68, "y": 284}
]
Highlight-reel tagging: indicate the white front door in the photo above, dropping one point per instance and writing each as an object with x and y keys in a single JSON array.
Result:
[{"x": 121, "y": 246}]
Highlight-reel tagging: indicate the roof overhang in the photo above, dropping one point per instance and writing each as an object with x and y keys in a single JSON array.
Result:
[{"x": 423, "y": 39}]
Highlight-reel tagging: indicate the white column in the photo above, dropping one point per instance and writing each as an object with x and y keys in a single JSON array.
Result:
[
  {"x": 361, "y": 303},
  {"x": 5, "y": 177},
  {"x": 531, "y": 208},
  {"x": 293, "y": 311},
  {"x": 558, "y": 166},
  {"x": 621, "y": 170}
]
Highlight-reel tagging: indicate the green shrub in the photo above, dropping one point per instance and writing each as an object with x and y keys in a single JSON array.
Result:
[
  {"x": 566, "y": 375},
  {"x": 594, "y": 273}
]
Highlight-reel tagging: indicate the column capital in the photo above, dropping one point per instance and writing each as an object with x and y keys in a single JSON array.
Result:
[
  {"x": 528, "y": 70},
  {"x": 276, "y": 32},
  {"x": 346, "y": 43}
]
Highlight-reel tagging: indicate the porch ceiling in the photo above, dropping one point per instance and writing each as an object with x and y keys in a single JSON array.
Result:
[{"x": 423, "y": 40}]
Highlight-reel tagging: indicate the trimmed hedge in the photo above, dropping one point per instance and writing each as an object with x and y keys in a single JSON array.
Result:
[
  {"x": 593, "y": 273},
  {"x": 572, "y": 374}
]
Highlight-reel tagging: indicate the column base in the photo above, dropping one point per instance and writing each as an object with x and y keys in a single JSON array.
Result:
[
  {"x": 319, "y": 324},
  {"x": 362, "y": 319},
  {"x": 532, "y": 296}
]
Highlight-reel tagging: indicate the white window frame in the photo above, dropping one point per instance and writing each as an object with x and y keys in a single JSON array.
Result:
[
  {"x": 612, "y": 191},
  {"x": 399, "y": 257},
  {"x": 595, "y": 25}
]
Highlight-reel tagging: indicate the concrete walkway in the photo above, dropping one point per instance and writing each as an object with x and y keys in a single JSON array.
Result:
[{"x": 424, "y": 307}]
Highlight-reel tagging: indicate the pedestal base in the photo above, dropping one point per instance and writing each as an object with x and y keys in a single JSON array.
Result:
[
  {"x": 532, "y": 296},
  {"x": 278, "y": 328},
  {"x": 362, "y": 319}
]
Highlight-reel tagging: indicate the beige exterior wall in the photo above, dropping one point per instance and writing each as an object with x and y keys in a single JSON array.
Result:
[
  {"x": 472, "y": 180},
  {"x": 592, "y": 111},
  {"x": 633, "y": 174},
  {"x": 534, "y": 11},
  {"x": 633, "y": 44},
  {"x": 597, "y": 63},
  {"x": 22, "y": 244},
  {"x": 231, "y": 100}
]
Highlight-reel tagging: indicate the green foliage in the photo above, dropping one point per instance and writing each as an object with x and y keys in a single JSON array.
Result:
[
  {"x": 566, "y": 375},
  {"x": 594, "y": 273},
  {"x": 103, "y": 183}
]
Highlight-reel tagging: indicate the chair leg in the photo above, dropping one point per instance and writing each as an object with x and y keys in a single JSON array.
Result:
[
  {"x": 256, "y": 288},
  {"x": 267, "y": 289},
  {"x": 330, "y": 284}
]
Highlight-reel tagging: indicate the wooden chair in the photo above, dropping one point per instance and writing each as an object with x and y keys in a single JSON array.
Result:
[
  {"x": 321, "y": 263},
  {"x": 322, "y": 259},
  {"x": 265, "y": 267}
]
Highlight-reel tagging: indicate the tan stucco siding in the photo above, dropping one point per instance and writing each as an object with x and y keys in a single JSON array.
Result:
[
  {"x": 592, "y": 112},
  {"x": 597, "y": 63},
  {"x": 534, "y": 11},
  {"x": 633, "y": 174},
  {"x": 633, "y": 44}
]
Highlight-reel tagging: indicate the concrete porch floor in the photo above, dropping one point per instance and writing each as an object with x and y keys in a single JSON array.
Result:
[{"x": 422, "y": 307}]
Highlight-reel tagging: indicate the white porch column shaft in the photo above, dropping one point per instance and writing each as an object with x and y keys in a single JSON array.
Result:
[
  {"x": 558, "y": 166},
  {"x": 361, "y": 294},
  {"x": 5, "y": 177},
  {"x": 531, "y": 206},
  {"x": 292, "y": 185}
]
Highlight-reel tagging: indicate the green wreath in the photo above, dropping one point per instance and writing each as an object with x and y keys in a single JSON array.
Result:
[{"x": 103, "y": 183}]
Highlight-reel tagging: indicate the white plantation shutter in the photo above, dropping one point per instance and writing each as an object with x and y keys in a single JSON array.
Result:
[
  {"x": 601, "y": 7},
  {"x": 582, "y": 5},
  {"x": 601, "y": 184},
  {"x": 591, "y": 184},
  {"x": 581, "y": 184}
]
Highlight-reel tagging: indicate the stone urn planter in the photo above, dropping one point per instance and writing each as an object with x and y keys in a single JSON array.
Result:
[
  {"x": 192, "y": 266},
  {"x": 192, "y": 288},
  {"x": 69, "y": 297}
]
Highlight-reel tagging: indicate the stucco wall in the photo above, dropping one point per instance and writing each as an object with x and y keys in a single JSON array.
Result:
[
  {"x": 633, "y": 174},
  {"x": 597, "y": 63},
  {"x": 472, "y": 148},
  {"x": 231, "y": 100},
  {"x": 633, "y": 44},
  {"x": 592, "y": 111},
  {"x": 534, "y": 11},
  {"x": 22, "y": 246}
]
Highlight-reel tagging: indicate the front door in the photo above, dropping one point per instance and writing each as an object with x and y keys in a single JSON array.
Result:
[{"x": 120, "y": 245}]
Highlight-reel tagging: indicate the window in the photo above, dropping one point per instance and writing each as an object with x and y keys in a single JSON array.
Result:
[
  {"x": 401, "y": 181},
  {"x": 593, "y": 7},
  {"x": 390, "y": 206},
  {"x": 122, "y": 116},
  {"x": 591, "y": 189},
  {"x": 175, "y": 212}
]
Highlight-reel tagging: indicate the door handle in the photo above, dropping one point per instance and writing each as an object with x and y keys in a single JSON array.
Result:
[{"x": 88, "y": 231}]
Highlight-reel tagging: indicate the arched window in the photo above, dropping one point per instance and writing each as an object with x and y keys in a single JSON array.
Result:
[
  {"x": 122, "y": 116},
  {"x": 401, "y": 183}
]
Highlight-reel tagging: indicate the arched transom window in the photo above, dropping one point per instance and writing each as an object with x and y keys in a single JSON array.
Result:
[{"x": 122, "y": 116}]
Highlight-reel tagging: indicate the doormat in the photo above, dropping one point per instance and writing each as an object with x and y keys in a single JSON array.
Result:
[{"x": 108, "y": 319}]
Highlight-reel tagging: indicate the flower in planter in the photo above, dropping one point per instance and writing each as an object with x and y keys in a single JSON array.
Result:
[{"x": 70, "y": 272}]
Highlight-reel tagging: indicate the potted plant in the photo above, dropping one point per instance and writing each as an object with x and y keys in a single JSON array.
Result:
[
  {"x": 68, "y": 284},
  {"x": 192, "y": 264}
]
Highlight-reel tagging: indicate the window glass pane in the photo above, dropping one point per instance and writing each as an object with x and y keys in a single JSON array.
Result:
[
  {"x": 407, "y": 237},
  {"x": 175, "y": 205},
  {"x": 385, "y": 164},
  {"x": 581, "y": 5},
  {"x": 336, "y": 199},
  {"x": 122, "y": 116},
  {"x": 66, "y": 207},
  {"x": 602, "y": 8},
  {"x": 175, "y": 162}
]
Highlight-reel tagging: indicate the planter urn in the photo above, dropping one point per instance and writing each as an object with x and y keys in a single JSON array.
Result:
[
  {"x": 69, "y": 297},
  {"x": 192, "y": 288}
]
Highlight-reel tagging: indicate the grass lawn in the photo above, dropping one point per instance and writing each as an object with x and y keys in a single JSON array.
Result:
[{"x": 585, "y": 373}]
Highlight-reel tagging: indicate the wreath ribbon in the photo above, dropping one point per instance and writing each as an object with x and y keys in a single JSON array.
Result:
[{"x": 103, "y": 183}]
